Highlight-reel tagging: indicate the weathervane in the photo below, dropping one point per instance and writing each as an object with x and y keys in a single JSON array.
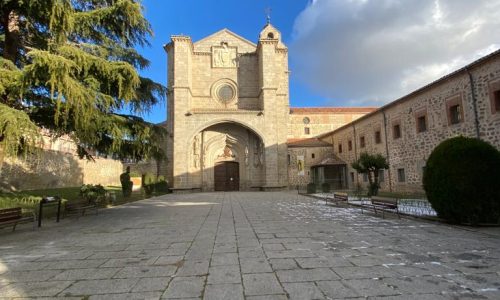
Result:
[{"x": 268, "y": 15}]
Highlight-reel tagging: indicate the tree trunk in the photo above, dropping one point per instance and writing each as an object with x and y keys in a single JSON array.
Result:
[
  {"x": 1, "y": 158},
  {"x": 12, "y": 36}
]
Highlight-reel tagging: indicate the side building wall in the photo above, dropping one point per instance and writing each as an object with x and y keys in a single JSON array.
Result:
[
  {"x": 55, "y": 169},
  {"x": 312, "y": 156},
  {"x": 478, "y": 116}
]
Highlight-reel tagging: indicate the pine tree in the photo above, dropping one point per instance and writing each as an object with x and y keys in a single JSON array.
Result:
[{"x": 69, "y": 67}]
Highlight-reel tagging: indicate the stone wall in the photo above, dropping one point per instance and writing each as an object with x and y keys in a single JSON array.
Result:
[
  {"x": 54, "y": 169},
  {"x": 321, "y": 120},
  {"x": 312, "y": 156},
  {"x": 408, "y": 153}
]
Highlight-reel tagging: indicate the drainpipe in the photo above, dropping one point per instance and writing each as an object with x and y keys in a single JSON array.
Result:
[
  {"x": 387, "y": 151},
  {"x": 355, "y": 152},
  {"x": 474, "y": 102},
  {"x": 202, "y": 156}
]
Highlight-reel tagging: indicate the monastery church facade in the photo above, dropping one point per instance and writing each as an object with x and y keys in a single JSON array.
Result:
[
  {"x": 229, "y": 119},
  {"x": 231, "y": 126}
]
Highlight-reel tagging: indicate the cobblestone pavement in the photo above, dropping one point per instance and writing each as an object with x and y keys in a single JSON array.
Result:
[{"x": 247, "y": 246}]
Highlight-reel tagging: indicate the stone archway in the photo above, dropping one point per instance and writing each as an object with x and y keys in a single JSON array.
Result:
[{"x": 224, "y": 151}]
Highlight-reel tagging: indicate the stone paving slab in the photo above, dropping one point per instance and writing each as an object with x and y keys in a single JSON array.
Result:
[{"x": 247, "y": 245}]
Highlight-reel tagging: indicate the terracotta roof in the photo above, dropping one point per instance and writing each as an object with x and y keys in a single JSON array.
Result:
[
  {"x": 330, "y": 110},
  {"x": 330, "y": 161},
  {"x": 309, "y": 142}
]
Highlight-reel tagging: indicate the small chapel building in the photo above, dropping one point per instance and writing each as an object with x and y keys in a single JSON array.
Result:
[{"x": 229, "y": 119}]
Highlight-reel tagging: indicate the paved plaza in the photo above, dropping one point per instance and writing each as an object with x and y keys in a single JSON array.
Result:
[{"x": 247, "y": 245}]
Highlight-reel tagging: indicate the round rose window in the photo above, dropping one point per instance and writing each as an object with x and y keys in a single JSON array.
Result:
[{"x": 225, "y": 93}]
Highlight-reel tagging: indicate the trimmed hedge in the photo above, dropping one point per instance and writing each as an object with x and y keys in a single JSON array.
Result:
[{"x": 461, "y": 180}]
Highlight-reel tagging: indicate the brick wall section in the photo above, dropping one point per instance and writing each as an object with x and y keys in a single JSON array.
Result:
[{"x": 411, "y": 150}]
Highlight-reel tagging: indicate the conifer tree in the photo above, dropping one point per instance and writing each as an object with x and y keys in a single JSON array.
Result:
[{"x": 68, "y": 67}]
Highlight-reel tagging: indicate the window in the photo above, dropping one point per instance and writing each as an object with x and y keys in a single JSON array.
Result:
[
  {"x": 454, "y": 110},
  {"x": 307, "y": 130},
  {"x": 362, "y": 141},
  {"x": 421, "y": 124},
  {"x": 349, "y": 145},
  {"x": 352, "y": 176},
  {"x": 454, "y": 113},
  {"x": 495, "y": 96},
  {"x": 496, "y": 101},
  {"x": 340, "y": 148},
  {"x": 381, "y": 176},
  {"x": 396, "y": 131},
  {"x": 365, "y": 177},
  {"x": 306, "y": 120},
  {"x": 312, "y": 155},
  {"x": 401, "y": 175},
  {"x": 289, "y": 159},
  {"x": 378, "y": 137}
]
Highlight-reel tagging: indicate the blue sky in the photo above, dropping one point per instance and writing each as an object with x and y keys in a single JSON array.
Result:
[{"x": 341, "y": 52}]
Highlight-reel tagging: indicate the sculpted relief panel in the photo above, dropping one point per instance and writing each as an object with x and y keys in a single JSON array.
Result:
[{"x": 224, "y": 56}]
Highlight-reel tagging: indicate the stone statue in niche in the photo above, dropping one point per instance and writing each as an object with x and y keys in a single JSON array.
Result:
[
  {"x": 223, "y": 56},
  {"x": 246, "y": 155},
  {"x": 227, "y": 153},
  {"x": 196, "y": 152},
  {"x": 261, "y": 153}
]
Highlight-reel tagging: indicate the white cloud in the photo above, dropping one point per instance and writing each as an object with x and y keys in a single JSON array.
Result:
[{"x": 361, "y": 52}]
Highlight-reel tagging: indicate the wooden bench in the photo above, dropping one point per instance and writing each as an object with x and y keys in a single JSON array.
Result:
[
  {"x": 338, "y": 198},
  {"x": 383, "y": 203},
  {"x": 81, "y": 206},
  {"x": 14, "y": 216}
]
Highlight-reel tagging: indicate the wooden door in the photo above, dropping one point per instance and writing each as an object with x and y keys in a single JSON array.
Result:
[{"x": 227, "y": 176}]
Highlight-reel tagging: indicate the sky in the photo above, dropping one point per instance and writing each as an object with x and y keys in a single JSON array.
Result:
[{"x": 341, "y": 52}]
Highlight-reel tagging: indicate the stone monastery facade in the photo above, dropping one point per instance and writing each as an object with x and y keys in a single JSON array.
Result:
[
  {"x": 231, "y": 127},
  {"x": 465, "y": 102}
]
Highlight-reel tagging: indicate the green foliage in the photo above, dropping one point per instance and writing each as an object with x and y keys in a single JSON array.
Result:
[
  {"x": 135, "y": 174},
  {"x": 161, "y": 178},
  {"x": 148, "y": 182},
  {"x": 161, "y": 187},
  {"x": 70, "y": 67},
  {"x": 461, "y": 181},
  {"x": 91, "y": 192},
  {"x": 311, "y": 188},
  {"x": 18, "y": 200},
  {"x": 371, "y": 164},
  {"x": 325, "y": 187},
  {"x": 148, "y": 179}
]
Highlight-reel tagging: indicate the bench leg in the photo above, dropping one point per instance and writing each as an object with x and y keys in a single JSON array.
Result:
[{"x": 14, "y": 227}]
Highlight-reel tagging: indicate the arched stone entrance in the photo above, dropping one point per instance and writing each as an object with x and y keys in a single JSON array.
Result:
[{"x": 227, "y": 157}]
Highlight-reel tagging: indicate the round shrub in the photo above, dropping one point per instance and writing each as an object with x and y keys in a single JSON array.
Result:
[{"x": 461, "y": 180}]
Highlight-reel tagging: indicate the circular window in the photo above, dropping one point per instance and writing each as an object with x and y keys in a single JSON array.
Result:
[
  {"x": 225, "y": 93},
  {"x": 306, "y": 120}
]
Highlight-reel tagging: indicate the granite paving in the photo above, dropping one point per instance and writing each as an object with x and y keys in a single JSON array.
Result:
[{"x": 247, "y": 245}]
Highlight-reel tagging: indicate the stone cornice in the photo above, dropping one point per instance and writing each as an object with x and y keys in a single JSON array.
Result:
[{"x": 224, "y": 111}]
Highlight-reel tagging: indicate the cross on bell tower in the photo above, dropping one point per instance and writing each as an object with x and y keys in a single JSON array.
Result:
[{"x": 268, "y": 15}]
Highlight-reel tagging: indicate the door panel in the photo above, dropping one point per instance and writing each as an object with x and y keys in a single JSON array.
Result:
[{"x": 227, "y": 176}]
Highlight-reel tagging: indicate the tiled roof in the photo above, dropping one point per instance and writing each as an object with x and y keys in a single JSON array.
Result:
[
  {"x": 309, "y": 142},
  {"x": 330, "y": 110},
  {"x": 330, "y": 161}
]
